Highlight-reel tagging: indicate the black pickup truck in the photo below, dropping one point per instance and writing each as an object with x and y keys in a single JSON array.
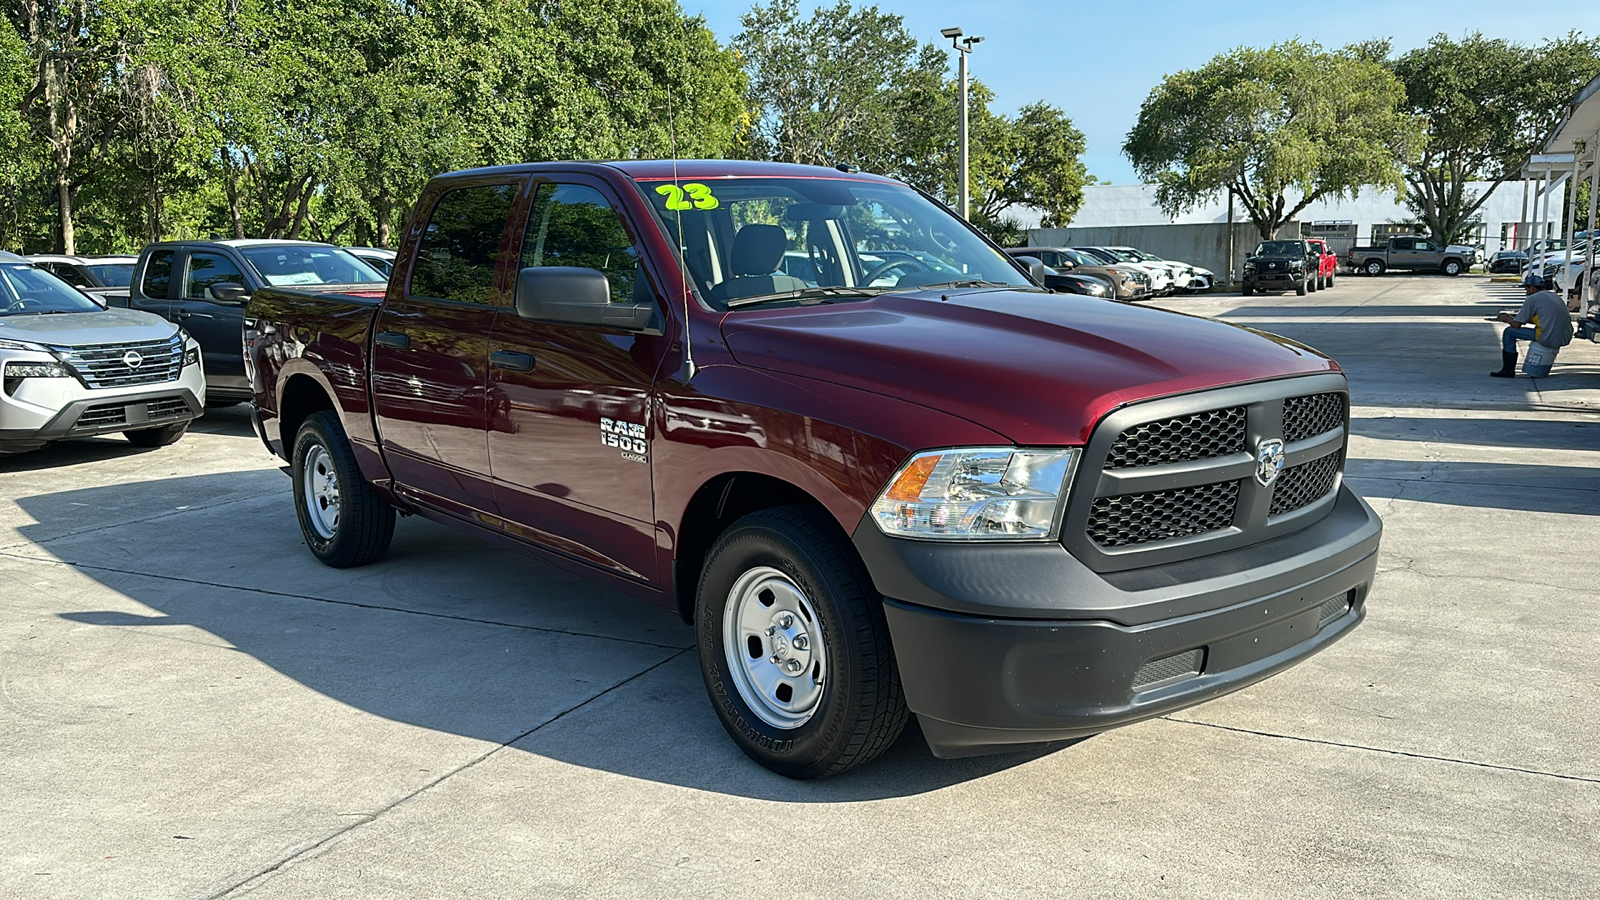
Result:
[{"x": 203, "y": 286}]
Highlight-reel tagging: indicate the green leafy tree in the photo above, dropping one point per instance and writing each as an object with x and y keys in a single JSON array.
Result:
[
  {"x": 16, "y": 150},
  {"x": 1488, "y": 104},
  {"x": 1278, "y": 129}
]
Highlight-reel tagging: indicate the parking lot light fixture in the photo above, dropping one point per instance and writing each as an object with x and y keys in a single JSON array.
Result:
[{"x": 963, "y": 47}]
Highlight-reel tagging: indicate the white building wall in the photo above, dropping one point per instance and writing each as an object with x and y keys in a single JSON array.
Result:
[{"x": 1135, "y": 204}]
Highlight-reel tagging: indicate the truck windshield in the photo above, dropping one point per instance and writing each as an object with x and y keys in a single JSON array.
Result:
[
  {"x": 25, "y": 290},
  {"x": 750, "y": 240},
  {"x": 298, "y": 264},
  {"x": 1280, "y": 248}
]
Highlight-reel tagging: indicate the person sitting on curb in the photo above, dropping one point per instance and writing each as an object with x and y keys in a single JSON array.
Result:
[{"x": 1552, "y": 324}]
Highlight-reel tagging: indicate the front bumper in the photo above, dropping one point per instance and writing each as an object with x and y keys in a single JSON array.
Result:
[
  {"x": 60, "y": 408},
  {"x": 1002, "y": 647}
]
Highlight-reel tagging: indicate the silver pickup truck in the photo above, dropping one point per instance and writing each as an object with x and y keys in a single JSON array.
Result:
[
  {"x": 1416, "y": 254},
  {"x": 72, "y": 368}
]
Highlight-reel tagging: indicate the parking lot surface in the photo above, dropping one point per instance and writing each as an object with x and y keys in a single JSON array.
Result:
[{"x": 192, "y": 707}]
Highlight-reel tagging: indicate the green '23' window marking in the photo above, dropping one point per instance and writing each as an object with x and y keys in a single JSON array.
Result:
[{"x": 699, "y": 196}]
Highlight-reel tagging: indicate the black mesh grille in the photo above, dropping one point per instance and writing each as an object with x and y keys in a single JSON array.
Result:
[
  {"x": 1311, "y": 415},
  {"x": 1304, "y": 484},
  {"x": 102, "y": 414},
  {"x": 1334, "y": 607},
  {"x": 1162, "y": 515},
  {"x": 1200, "y": 436},
  {"x": 1167, "y": 668},
  {"x": 167, "y": 407}
]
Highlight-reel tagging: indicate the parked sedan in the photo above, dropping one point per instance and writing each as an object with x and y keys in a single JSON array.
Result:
[
  {"x": 1126, "y": 282},
  {"x": 1511, "y": 261},
  {"x": 103, "y": 277},
  {"x": 376, "y": 257}
]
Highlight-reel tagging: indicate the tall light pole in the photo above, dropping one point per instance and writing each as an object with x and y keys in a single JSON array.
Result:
[{"x": 963, "y": 47}]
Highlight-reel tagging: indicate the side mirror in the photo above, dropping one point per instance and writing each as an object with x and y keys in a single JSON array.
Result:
[
  {"x": 565, "y": 295},
  {"x": 228, "y": 293},
  {"x": 1037, "y": 270}
]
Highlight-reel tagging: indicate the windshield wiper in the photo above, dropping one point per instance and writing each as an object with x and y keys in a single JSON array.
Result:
[
  {"x": 809, "y": 293},
  {"x": 963, "y": 284}
]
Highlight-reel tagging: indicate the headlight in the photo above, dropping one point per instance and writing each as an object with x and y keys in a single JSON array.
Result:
[
  {"x": 1097, "y": 290},
  {"x": 15, "y": 372},
  {"x": 978, "y": 494}
]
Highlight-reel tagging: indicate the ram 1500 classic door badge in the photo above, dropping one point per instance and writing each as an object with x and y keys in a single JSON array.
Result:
[{"x": 625, "y": 436}]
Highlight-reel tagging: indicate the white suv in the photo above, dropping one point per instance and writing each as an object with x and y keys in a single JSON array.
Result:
[{"x": 71, "y": 368}]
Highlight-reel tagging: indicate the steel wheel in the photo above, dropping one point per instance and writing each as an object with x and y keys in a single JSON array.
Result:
[
  {"x": 774, "y": 645},
  {"x": 322, "y": 492}
]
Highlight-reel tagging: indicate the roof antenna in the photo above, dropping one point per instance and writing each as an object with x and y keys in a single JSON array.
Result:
[{"x": 683, "y": 262}]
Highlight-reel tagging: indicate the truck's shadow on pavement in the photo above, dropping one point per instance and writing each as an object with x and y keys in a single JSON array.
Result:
[{"x": 453, "y": 634}]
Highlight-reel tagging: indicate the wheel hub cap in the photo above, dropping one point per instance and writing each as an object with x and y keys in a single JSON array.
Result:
[
  {"x": 321, "y": 483},
  {"x": 774, "y": 648}
]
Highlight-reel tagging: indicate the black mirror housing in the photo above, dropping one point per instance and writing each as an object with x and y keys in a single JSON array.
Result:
[
  {"x": 567, "y": 295},
  {"x": 1037, "y": 270},
  {"x": 228, "y": 293}
]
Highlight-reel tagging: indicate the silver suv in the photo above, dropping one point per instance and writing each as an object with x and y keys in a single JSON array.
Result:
[{"x": 71, "y": 368}]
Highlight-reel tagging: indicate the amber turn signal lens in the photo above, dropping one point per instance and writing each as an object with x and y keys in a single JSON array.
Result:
[{"x": 908, "y": 487}]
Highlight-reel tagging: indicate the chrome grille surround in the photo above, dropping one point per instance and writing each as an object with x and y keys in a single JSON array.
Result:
[
  {"x": 1122, "y": 516},
  {"x": 101, "y": 366}
]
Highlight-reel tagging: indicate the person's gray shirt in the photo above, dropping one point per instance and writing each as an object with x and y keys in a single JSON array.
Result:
[{"x": 1548, "y": 314}]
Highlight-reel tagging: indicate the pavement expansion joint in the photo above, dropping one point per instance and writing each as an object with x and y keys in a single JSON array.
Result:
[
  {"x": 1583, "y": 779},
  {"x": 90, "y": 567},
  {"x": 317, "y": 847}
]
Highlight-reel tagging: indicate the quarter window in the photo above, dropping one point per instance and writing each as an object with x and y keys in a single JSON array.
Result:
[
  {"x": 458, "y": 253},
  {"x": 206, "y": 269},
  {"x": 574, "y": 225},
  {"x": 157, "y": 275}
]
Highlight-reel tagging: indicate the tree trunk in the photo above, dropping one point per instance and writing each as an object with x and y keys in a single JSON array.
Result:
[
  {"x": 69, "y": 238},
  {"x": 230, "y": 182}
]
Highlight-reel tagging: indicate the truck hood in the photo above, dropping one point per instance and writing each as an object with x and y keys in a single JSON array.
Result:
[
  {"x": 1039, "y": 368},
  {"x": 106, "y": 326}
]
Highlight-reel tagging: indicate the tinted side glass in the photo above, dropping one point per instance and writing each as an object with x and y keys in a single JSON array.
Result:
[
  {"x": 458, "y": 253},
  {"x": 206, "y": 269},
  {"x": 574, "y": 225},
  {"x": 70, "y": 274},
  {"x": 157, "y": 275}
]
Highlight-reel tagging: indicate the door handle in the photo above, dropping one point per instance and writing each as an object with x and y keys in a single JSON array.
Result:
[
  {"x": 180, "y": 314},
  {"x": 392, "y": 340},
  {"x": 510, "y": 359}
]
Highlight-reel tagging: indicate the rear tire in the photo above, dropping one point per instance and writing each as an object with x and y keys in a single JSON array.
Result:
[
  {"x": 165, "y": 436},
  {"x": 1374, "y": 267},
  {"x": 344, "y": 521},
  {"x": 794, "y": 648}
]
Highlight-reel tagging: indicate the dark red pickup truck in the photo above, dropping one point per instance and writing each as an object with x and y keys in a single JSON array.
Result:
[{"x": 876, "y": 467}]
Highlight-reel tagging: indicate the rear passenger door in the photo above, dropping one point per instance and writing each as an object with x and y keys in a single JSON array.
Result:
[
  {"x": 219, "y": 327},
  {"x": 572, "y": 428},
  {"x": 430, "y": 347}
]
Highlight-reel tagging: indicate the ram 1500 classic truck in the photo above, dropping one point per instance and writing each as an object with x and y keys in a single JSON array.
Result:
[
  {"x": 911, "y": 482},
  {"x": 1413, "y": 253}
]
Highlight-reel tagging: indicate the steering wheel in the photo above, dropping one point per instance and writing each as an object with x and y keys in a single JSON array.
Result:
[
  {"x": 910, "y": 265},
  {"x": 23, "y": 303}
]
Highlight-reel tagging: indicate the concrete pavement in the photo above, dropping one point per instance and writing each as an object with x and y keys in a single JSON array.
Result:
[{"x": 192, "y": 707}]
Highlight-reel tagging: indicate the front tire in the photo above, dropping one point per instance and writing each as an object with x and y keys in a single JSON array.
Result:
[
  {"x": 344, "y": 521},
  {"x": 165, "y": 436},
  {"x": 1452, "y": 267},
  {"x": 1300, "y": 287},
  {"x": 1249, "y": 289},
  {"x": 794, "y": 648}
]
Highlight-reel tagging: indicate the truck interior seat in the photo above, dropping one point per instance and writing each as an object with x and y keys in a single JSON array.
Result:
[{"x": 757, "y": 253}]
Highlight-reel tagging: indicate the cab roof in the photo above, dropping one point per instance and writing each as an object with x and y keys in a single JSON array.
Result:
[{"x": 668, "y": 170}]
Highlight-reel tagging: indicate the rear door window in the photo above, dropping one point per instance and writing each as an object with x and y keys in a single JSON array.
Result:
[
  {"x": 459, "y": 253},
  {"x": 157, "y": 275}
]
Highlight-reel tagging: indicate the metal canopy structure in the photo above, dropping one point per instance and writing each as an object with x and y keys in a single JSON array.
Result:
[{"x": 1573, "y": 153}]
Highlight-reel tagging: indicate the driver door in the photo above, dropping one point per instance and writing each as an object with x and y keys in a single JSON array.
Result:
[{"x": 218, "y": 327}]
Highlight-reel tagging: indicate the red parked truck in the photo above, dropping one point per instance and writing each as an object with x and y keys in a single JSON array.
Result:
[
  {"x": 1328, "y": 267},
  {"x": 877, "y": 468}
]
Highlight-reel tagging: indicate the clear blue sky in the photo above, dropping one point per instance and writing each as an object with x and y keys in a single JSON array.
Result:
[{"x": 1099, "y": 60}]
